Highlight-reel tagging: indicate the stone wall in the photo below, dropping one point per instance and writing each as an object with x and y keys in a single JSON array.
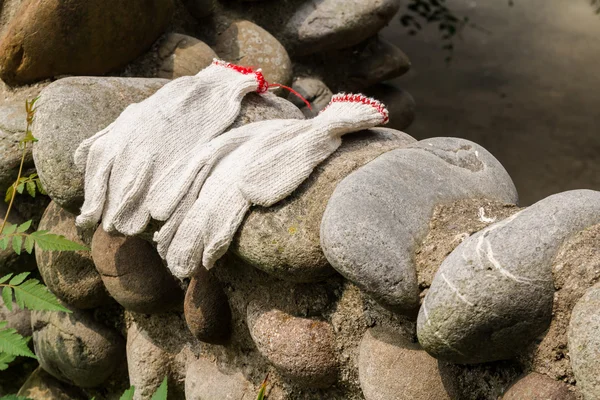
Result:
[{"x": 400, "y": 269}]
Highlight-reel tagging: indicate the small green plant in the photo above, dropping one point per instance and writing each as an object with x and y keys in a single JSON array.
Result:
[{"x": 263, "y": 389}]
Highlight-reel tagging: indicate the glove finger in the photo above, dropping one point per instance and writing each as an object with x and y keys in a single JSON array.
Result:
[
  {"x": 131, "y": 215},
  {"x": 98, "y": 170},
  {"x": 81, "y": 154}
]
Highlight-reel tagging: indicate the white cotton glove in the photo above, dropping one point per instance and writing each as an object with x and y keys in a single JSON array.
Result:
[
  {"x": 270, "y": 160},
  {"x": 123, "y": 160}
]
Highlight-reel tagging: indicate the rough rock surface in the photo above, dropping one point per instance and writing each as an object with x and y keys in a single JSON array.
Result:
[
  {"x": 12, "y": 130},
  {"x": 18, "y": 318},
  {"x": 576, "y": 268},
  {"x": 536, "y": 386},
  {"x": 75, "y": 348},
  {"x": 183, "y": 55},
  {"x": 584, "y": 343},
  {"x": 399, "y": 102},
  {"x": 500, "y": 280},
  {"x": 134, "y": 274},
  {"x": 245, "y": 43},
  {"x": 393, "y": 368},
  {"x": 73, "y": 109},
  {"x": 301, "y": 348},
  {"x": 153, "y": 355},
  {"x": 42, "y": 386},
  {"x": 283, "y": 240},
  {"x": 206, "y": 381},
  {"x": 70, "y": 275},
  {"x": 10, "y": 262},
  {"x": 69, "y": 111},
  {"x": 107, "y": 35},
  {"x": 206, "y": 309},
  {"x": 378, "y": 215}
]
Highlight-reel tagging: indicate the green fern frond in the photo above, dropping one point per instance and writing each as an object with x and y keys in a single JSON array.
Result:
[
  {"x": 30, "y": 294},
  {"x": 5, "y": 360},
  {"x": 52, "y": 242},
  {"x": 12, "y": 343},
  {"x": 128, "y": 395},
  {"x": 14, "y": 397},
  {"x": 161, "y": 392}
]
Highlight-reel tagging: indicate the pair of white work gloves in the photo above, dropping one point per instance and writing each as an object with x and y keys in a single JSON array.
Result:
[{"x": 172, "y": 158}]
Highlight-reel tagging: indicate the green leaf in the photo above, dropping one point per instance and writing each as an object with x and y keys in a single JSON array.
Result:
[
  {"x": 161, "y": 392},
  {"x": 24, "y": 226},
  {"x": 5, "y": 359},
  {"x": 128, "y": 395},
  {"x": 7, "y": 298},
  {"x": 12, "y": 343},
  {"x": 17, "y": 280},
  {"x": 4, "y": 242},
  {"x": 40, "y": 187},
  {"x": 9, "y": 229},
  {"x": 31, "y": 188},
  {"x": 5, "y": 278},
  {"x": 9, "y": 194},
  {"x": 29, "y": 244},
  {"x": 35, "y": 296},
  {"x": 20, "y": 187},
  {"x": 17, "y": 244},
  {"x": 52, "y": 242},
  {"x": 14, "y": 397}
]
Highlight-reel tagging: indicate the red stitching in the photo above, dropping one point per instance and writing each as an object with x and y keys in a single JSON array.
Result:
[
  {"x": 263, "y": 86},
  {"x": 359, "y": 98}
]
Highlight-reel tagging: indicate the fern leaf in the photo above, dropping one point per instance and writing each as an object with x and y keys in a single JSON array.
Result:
[
  {"x": 52, "y": 242},
  {"x": 9, "y": 229},
  {"x": 5, "y": 278},
  {"x": 20, "y": 188},
  {"x": 17, "y": 244},
  {"x": 7, "y": 298},
  {"x": 17, "y": 280},
  {"x": 128, "y": 395},
  {"x": 9, "y": 194},
  {"x": 12, "y": 343},
  {"x": 24, "y": 226},
  {"x": 29, "y": 244},
  {"x": 161, "y": 392},
  {"x": 40, "y": 188},
  {"x": 5, "y": 359},
  {"x": 31, "y": 188},
  {"x": 35, "y": 296},
  {"x": 4, "y": 242}
]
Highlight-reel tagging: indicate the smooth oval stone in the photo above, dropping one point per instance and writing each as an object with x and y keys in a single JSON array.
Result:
[
  {"x": 247, "y": 44},
  {"x": 183, "y": 55},
  {"x": 206, "y": 309},
  {"x": 584, "y": 343},
  {"x": 204, "y": 380},
  {"x": 301, "y": 349},
  {"x": 379, "y": 214},
  {"x": 332, "y": 24},
  {"x": 70, "y": 275},
  {"x": 75, "y": 348},
  {"x": 493, "y": 294},
  {"x": 536, "y": 386},
  {"x": 283, "y": 240},
  {"x": 108, "y": 34},
  {"x": 134, "y": 274},
  {"x": 69, "y": 111},
  {"x": 391, "y": 367}
]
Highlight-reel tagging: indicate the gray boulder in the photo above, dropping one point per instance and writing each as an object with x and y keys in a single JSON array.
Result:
[
  {"x": 283, "y": 239},
  {"x": 12, "y": 130},
  {"x": 493, "y": 294},
  {"x": 378, "y": 215},
  {"x": 584, "y": 343}
]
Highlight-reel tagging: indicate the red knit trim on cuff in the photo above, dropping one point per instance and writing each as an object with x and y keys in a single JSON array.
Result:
[
  {"x": 359, "y": 98},
  {"x": 260, "y": 79}
]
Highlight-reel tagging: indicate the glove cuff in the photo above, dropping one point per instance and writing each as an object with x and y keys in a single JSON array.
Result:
[
  {"x": 341, "y": 101},
  {"x": 262, "y": 84}
]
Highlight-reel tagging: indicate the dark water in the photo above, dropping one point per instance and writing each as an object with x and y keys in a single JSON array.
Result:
[{"x": 525, "y": 85}]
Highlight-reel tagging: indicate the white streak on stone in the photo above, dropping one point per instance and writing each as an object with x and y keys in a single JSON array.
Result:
[
  {"x": 455, "y": 290},
  {"x": 483, "y": 218}
]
